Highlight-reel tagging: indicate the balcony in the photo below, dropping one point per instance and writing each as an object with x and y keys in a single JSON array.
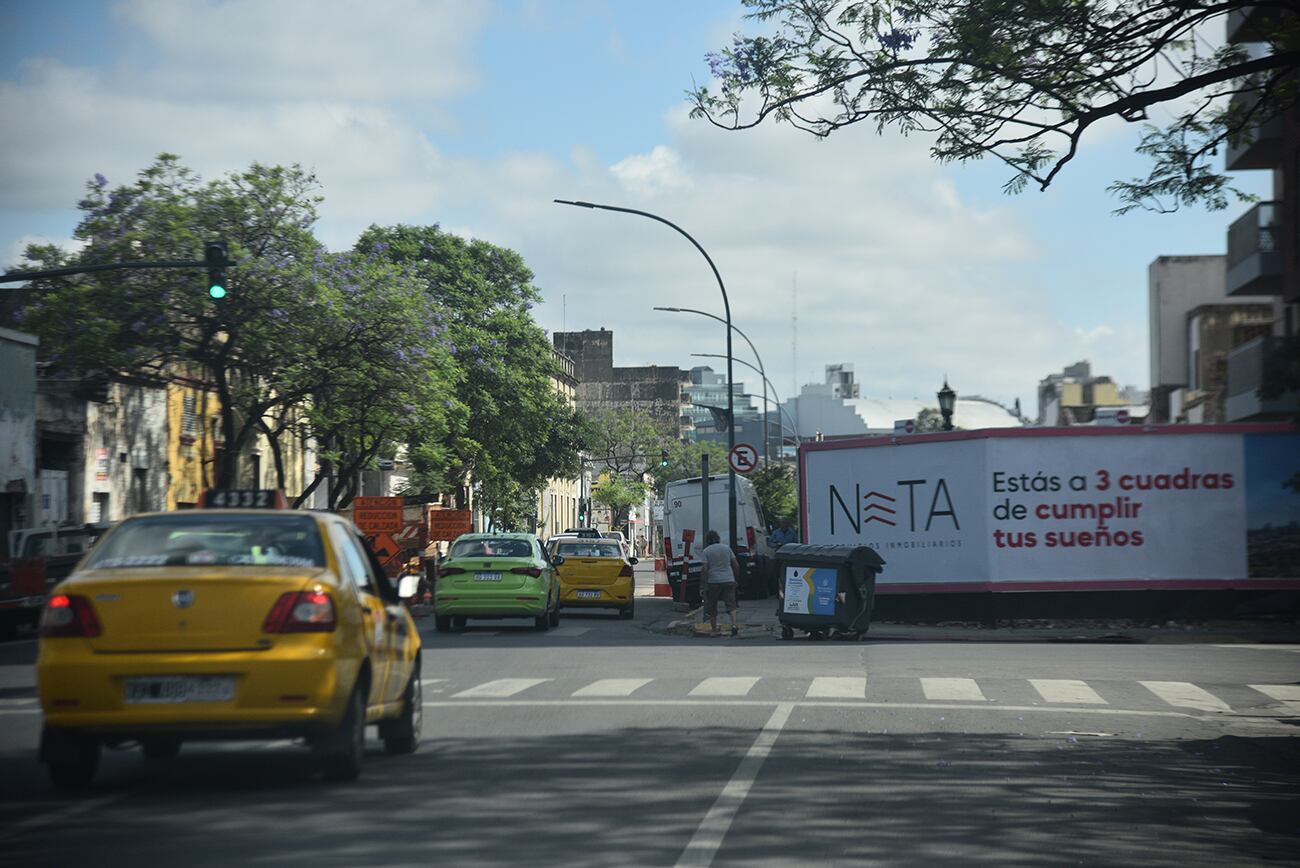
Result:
[
  {"x": 1245, "y": 373},
  {"x": 1259, "y": 148},
  {"x": 1254, "y": 260}
]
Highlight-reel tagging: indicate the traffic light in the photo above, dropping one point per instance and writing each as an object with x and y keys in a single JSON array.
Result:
[
  {"x": 216, "y": 256},
  {"x": 663, "y": 457}
]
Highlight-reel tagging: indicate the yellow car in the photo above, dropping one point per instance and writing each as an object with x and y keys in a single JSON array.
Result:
[
  {"x": 226, "y": 624},
  {"x": 595, "y": 573}
]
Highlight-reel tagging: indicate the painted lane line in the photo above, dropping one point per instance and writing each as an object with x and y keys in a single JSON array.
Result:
[
  {"x": 612, "y": 687},
  {"x": 1184, "y": 694},
  {"x": 1287, "y": 694},
  {"x": 30, "y": 700},
  {"x": 501, "y": 687},
  {"x": 1066, "y": 690},
  {"x": 32, "y": 710},
  {"x": 568, "y": 632},
  {"x": 428, "y": 681},
  {"x": 59, "y": 817},
  {"x": 837, "y": 687},
  {"x": 949, "y": 689},
  {"x": 713, "y": 828},
  {"x": 724, "y": 686}
]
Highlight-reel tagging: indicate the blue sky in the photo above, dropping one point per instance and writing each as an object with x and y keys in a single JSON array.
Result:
[{"x": 475, "y": 114}]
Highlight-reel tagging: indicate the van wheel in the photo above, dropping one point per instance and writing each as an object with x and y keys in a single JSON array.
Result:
[
  {"x": 458, "y": 623},
  {"x": 787, "y": 633},
  {"x": 442, "y": 623},
  {"x": 343, "y": 748}
]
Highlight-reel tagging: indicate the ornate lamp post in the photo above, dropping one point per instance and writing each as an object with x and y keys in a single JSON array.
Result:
[{"x": 947, "y": 400}]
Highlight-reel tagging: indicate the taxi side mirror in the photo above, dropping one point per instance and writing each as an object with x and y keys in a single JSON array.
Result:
[
  {"x": 558, "y": 560},
  {"x": 632, "y": 561}
]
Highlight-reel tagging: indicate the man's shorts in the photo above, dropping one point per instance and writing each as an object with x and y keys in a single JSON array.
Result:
[{"x": 714, "y": 591}]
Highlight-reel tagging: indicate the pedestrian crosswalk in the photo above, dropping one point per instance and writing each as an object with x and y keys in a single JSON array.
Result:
[{"x": 992, "y": 693}]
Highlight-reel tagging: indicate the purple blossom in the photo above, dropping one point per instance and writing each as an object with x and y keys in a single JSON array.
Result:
[
  {"x": 19, "y": 315},
  {"x": 473, "y": 348},
  {"x": 399, "y": 354},
  {"x": 279, "y": 315},
  {"x": 898, "y": 39},
  {"x": 137, "y": 326},
  {"x": 100, "y": 180},
  {"x": 447, "y": 403}
]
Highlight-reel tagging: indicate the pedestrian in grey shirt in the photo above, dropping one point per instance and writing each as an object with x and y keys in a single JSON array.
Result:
[{"x": 718, "y": 580}]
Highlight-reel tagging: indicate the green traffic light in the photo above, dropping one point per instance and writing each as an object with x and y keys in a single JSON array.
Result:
[{"x": 216, "y": 290}]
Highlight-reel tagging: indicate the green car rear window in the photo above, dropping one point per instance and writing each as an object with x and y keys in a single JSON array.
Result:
[
  {"x": 199, "y": 539},
  {"x": 491, "y": 548}
]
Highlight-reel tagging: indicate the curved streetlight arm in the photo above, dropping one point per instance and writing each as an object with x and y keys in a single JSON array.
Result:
[
  {"x": 726, "y": 306},
  {"x": 761, "y": 374},
  {"x": 762, "y": 370}
]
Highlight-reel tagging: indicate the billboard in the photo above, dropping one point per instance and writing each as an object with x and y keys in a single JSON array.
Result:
[{"x": 1064, "y": 508}]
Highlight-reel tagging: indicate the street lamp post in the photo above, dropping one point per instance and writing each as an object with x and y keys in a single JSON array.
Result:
[
  {"x": 770, "y": 385},
  {"x": 726, "y": 306},
  {"x": 767, "y": 456},
  {"x": 947, "y": 400}
]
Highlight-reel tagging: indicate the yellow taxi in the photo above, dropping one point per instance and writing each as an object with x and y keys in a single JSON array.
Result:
[
  {"x": 226, "y": 623},
  {"x": 596, "y": 573}
]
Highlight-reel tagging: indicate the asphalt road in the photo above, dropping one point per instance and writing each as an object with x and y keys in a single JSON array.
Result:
[{"x": 601, "y": 743}]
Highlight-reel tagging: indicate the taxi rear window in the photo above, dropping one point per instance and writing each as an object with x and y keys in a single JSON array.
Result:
[
  {"x": 195, "y": 539},
  {"x": 584, "y": 549},
  {"x": 491, "y": 548}
]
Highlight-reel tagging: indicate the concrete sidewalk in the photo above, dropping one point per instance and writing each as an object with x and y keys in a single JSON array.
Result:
[{"x": 758, "y": 620}]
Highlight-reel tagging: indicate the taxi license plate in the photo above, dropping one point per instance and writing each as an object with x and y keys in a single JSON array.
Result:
[
  {"x": 589, "y": 595},
  {"x": 180, "y": 688},
  {"x": 487, "y": 577}
]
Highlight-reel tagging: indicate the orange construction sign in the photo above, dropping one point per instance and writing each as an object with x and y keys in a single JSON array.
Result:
[
  {"x": 447, "y": 524},
  {"x": 374, "y": 515}
]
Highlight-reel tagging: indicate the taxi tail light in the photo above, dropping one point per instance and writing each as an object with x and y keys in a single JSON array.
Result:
[
  {"x": 626, "y": 572},
  {"x": 449, "y": 571},
  {"x": 527, "y": 571},
  {"x": 69, "y": 615},
  {"x": 301, "y": 612}
]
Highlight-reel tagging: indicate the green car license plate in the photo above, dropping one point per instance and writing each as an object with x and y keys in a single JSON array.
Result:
[{"x": 487, "y": 577}]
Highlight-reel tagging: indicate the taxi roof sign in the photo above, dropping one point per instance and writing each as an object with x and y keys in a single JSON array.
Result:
[{"x": 243, "y": 498}]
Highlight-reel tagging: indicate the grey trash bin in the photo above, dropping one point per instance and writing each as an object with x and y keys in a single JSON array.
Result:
[{"x": 826, "y": 591}]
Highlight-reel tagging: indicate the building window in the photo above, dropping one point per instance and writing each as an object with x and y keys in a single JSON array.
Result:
[
  {"x": 189, "y": 417},
  {"x": 1193, "y": 353}
]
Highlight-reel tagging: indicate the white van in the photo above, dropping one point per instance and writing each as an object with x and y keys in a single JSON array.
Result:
[{"x": 684, "y": 535}]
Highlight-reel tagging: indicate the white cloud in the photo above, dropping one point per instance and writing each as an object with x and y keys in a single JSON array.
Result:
[
  {"x": 896, "y": 271},
  {"x": 13, "y": 251},
  {"x": 382, "y": 50}
]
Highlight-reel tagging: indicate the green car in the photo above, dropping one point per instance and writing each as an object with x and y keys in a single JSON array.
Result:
[{"x": 497, "y": 575}]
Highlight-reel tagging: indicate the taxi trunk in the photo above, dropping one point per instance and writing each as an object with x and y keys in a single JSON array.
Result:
[{"x": 187, "y": 608}]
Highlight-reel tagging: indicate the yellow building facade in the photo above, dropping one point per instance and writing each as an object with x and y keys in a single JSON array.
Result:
[{"x": 557, "y": 503}]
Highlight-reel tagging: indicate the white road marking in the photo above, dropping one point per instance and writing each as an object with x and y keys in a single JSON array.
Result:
[
  {"x": 1184, "y": 694},
  {"x": 30, "y": 710},
  {"x": 952, "y": 688},
  {"x": 59, "y": 817},
  {"x": 837, "y": 687},
  {"x": 500, "y": 688},
  {"x": 724, "y": 686},
  {"x": 29, "y": 700},
  {"x": 1287, "y": 694},
  {"x": 1294, "y": 649},
  {"x": 1066, "y": 690},
  {"x": 568, "y": 632},
  {"x": 713, "y": 828},
  {"x": 612, "y": 687}
]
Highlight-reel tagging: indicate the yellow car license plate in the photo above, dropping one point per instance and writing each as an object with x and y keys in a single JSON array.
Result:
[{"x": 179, "y": 688}]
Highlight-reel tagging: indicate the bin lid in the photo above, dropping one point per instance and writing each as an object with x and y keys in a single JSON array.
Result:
[{"x": 859, "y": 555}]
